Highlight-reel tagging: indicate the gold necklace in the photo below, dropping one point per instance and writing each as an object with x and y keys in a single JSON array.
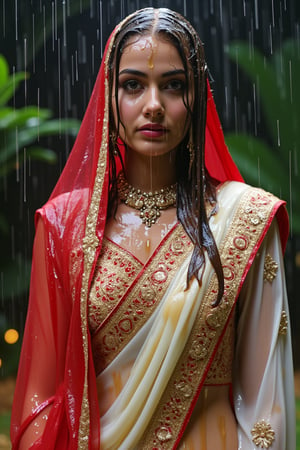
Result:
[{"x": 148, "y": 203}]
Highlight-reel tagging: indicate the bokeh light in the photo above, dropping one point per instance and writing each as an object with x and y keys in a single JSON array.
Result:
[{"x": 11, "y": 336}]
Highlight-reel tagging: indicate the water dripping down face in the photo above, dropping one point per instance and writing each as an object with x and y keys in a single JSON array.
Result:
[{"x": 151, "y": 91}]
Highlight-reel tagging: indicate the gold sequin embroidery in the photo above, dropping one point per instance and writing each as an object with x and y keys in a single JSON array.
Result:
[
  {"x": 220, "y": 372},
  {"x": 115, "y": 271},
  {"x": 141, "y": 300},
  {"x": 283, "y": 326},
  {"x": 247, "y": 226},
  {"x": 270, "y": 269},
  {"x": 263, "y": 434}
]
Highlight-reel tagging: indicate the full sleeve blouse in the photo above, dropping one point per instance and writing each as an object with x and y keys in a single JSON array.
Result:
[{"x": 263, "y": 373}]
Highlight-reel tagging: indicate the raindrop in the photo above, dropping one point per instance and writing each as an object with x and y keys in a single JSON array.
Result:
[
  {"x": 25, "y": 65},
  {"x": 254, "y": 109},
  {"x": 93, "y": 58},
  {"x": 53, "y": 24},
  {"x": 278, "y": 133},
  {"x": 76, "y": 65},
  {"x": 256, "y": 15},
  {"x": 16, "y": 18},
  {"x": 291, "y": 81},
  {"x": 59, "y": 79},
  {"x": 38, "y": 106},
  {"x": 92, "y": 12},
  {"x": 33, "y": 43},
  {"x": 82, "y": 53},
  {"x": 101, "y": 31},
  {"x": 24, "y": 176},
  {"x": 235, "y": 114},
  {"x": 72, "y": 70},
  {"x": 3, "y": 17},
  {"x": 44, "y": 29},
  {"x": 55, "y": 18},
  {"x": 64, "y": 24},
  {"x": 273, "y": 14},
  {"x": 17, "y": 155},
  {"x": 271, "y": 39},
  {"x": 226, "y": 102}
]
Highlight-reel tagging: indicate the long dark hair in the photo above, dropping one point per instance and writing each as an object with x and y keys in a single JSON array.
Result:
[{"x": 195, "y": 189}]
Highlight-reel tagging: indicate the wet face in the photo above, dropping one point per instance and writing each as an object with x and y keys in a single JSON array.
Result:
[{"x": 151, "y": 90}]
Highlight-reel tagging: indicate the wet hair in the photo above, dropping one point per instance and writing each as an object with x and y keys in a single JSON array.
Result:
[{"x": 195, "y": 188}]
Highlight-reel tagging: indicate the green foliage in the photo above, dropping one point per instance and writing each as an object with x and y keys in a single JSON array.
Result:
[
  {"x": 21, "y": 129},
  {"x": 22, "y": 133},
  {"x": 276, "y": 80}
]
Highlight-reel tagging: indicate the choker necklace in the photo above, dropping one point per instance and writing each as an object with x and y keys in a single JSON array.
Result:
[{"x": 148, "y": 203}]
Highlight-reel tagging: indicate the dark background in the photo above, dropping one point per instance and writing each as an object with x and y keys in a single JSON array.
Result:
[{"x": 60, "y": 44}]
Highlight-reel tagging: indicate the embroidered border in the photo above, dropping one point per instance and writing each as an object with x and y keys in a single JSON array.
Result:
[
  {"x": 115, "y": 271},
  {"x": 238, "y": 246},
  {"x": 90, "y": 244},
  {"x": 141, "y": 300}
]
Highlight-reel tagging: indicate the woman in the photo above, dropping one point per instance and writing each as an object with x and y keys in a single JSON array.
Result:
[{"x": 158, "y": 315}]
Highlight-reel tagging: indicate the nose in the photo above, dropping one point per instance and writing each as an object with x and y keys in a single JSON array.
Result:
[{"x": 153, "y": 106}]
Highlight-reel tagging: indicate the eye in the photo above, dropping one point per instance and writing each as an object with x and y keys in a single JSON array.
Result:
[
  {"x": 175, "y": 85},
  {"x": 131, "y": 86}
]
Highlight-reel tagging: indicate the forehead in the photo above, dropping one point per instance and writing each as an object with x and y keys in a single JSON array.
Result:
[{"x": 150, "y": 52}]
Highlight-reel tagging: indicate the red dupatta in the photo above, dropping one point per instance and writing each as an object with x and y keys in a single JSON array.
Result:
[{"x": 64, "y": 258}]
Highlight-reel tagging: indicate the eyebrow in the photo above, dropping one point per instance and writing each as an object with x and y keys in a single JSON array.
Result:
[{"x": 138, "y": 73}]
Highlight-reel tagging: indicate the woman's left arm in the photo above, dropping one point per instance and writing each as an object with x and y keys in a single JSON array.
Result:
[{"x": 263, "y": 370}]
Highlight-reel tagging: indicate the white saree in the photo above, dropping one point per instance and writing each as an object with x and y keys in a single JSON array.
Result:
[{"x": 133, "y": 386}]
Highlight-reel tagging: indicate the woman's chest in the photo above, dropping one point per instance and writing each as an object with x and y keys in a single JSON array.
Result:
[{"x": 123, "y": 284}]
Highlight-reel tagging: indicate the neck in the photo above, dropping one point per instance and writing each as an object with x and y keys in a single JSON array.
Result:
[{"x": 149, "y": 173}]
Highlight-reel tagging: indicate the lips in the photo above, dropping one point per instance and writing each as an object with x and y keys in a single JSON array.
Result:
[{"x": 153, "y": 130}]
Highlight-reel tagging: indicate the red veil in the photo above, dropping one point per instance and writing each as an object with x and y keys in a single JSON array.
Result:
[{"x": 56, "y": 366}]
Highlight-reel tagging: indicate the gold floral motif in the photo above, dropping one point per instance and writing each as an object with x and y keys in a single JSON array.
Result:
[
  {"x": 263, "y": 434},
  {"x": 199, "y": 350},
  {"x": 215, "y": 317},
  {"x": 283, "y": 326},
  {"x": 184, "y": 388},
  {"x": 270, "y": 269}
]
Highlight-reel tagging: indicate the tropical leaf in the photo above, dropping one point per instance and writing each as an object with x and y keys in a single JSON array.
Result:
[
  {"x": 262, "y": 75},
  {"x": 4, "y": 71},
  {"x": 17, "y": 139},
  {"x": 278, "y": 93},
  {"x": 30, "y": 115},
  {"x": 8, "y": 89},
  {"x": 257, "y": 163}
]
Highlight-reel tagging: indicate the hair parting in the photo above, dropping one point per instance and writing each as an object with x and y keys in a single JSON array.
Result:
[{"x": 196, "y": 192}]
